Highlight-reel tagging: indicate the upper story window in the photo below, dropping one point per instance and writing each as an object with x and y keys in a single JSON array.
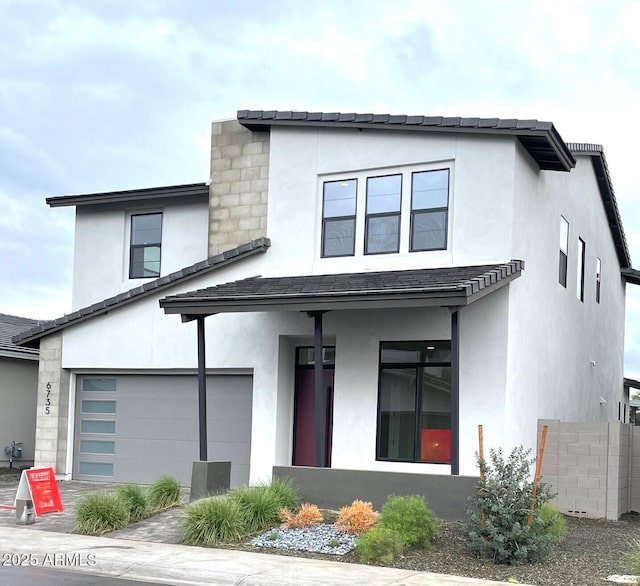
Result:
[
  {"x": 564, "y": 251},
  {"x": 382, "y": 230},
  {"x": 406, "y": 210},
  {"x": 429, "y": 209},
  {"x": 339, "y": 218},
  {"x": 598, "y": 278},
  {"x": 146, "y": 242},
  {"x": 580, "y": 275}
]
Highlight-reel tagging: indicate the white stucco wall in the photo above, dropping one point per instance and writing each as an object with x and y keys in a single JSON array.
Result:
[
  {"x": 101, "y": 249},
  {"x": 301, "y": 159},
  {"x": 553, "y": 336}
]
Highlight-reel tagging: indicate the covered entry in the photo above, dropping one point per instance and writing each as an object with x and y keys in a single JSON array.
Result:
[
  {"x": 447, "y": 287},
  {"x": 135, "y": 428}
]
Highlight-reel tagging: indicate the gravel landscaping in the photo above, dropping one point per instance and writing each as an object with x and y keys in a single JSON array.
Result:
[{"x": 591, "y": 551}]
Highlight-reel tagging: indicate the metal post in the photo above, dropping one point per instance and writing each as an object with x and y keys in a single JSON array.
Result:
[
  {"x": 202, "y": 391},
  {"x": 318, "y": 390},
  {"x": 455, "y": 395}
]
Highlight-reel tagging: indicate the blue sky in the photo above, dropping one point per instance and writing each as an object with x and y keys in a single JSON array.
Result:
[{"x": 110, "y": 94}]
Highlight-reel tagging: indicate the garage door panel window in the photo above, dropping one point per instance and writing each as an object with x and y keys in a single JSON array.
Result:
[
  {"x": 97, "y": 447},
  {"x": 95, "y": 468},
  {"x": 97, "y": 426},
  {"x": 97, "y": 385},
  {"x": 91, "y": 406}
]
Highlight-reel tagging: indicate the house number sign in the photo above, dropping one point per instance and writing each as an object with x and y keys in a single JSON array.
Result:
[{"x": 47, "y": 399}]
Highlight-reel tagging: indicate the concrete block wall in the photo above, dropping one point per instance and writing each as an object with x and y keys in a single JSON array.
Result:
[
  {"x": 587, "y": 466},
  {"x": 239, "y": 185},
  {"x": 52, "y": 408},
  {"x": 634, "y": 469}
]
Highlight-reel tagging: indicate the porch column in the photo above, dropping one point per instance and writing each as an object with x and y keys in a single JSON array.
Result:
[
  {"x": 202, "y": 390},
  {"x": 319, "y": 390},
  {"x": 455, "y": 395}
]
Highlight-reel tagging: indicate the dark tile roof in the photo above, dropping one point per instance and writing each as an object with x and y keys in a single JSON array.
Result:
[
  {"x": 442, "y": 286},
  {"x": 603, "y": 177},
  {"x": 32, "y": 335},
  {"x": 540, "y": 139},
  {"x": 177, "y": 192},
  {"x": 10, "y": 326}
]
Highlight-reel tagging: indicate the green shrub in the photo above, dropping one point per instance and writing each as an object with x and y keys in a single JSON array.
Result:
[
  {"x": 98, "y": 513},
  {"x": 258, "y": 504},
  {"x": 285, "y": 493},
  {"x": 379, "y": 544},
  {"x": 134, "y": 499},
  {"x": 557, "y": 525},
  {"x": 498, "y": 524},
  {"x": 411, "y": 518},
  {"x": 163, "y": 493},
  {"x": 210, "y": 520},
  {"x": 634, "y": 559}
]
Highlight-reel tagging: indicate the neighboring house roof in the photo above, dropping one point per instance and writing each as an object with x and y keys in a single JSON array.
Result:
[
  {"x": 541, "y": 140},
  {"x": 190, "y": 191},
  {"x": 445, "y": 286},
  {"x": 33, "y": 334},
  {"x": 10, "y": 326},
  {"x": 603, "y": 177}
]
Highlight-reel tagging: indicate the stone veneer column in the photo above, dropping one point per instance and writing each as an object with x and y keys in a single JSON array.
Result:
[
  {"x": 239, "y": 183},
  {"x": 52, "y": 427}
]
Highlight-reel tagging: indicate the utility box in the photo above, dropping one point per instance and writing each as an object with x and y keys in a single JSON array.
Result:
[{"x": 25, "y": 513}]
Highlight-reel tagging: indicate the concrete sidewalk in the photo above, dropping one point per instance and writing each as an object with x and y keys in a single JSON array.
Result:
[{"x": 178, "y": 564}]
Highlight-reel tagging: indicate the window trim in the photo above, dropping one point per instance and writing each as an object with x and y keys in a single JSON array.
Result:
[
  {"x": 368, "y": 216},
  {"x": 598, "y": 278},
  {"x": 564, "y": 254},
  {"x": 421, "y": 211},
  {"x": 326, "y": 221},
  {"x": 417, "y": 399},
  {"x": 133, "y": 246},
  {"x": 580, "y": 269}
]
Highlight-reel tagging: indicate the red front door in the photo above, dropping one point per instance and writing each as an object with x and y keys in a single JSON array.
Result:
[{"x": 304, "y": 428}]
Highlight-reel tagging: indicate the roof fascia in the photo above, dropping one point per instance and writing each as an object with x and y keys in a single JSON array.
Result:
[
  {"x": 139, "y": 195},
  {"x": 566, "y": 159},
  {"x": 192, "y": 306}
]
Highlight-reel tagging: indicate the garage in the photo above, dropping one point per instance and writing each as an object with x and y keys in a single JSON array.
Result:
[{"x": 136, "y": 428}]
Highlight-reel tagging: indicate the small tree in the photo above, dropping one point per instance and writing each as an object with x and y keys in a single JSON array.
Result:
[{"x": 505, "y": 520}]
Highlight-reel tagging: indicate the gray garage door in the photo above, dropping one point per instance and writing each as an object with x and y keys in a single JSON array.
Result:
[{"x": 136, "y": 428}]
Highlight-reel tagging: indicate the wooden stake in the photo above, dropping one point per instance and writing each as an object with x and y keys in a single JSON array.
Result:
[{"x": 538, "y": 472}]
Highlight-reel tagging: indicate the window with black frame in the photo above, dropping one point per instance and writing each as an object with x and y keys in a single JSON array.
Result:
[
  {"x": 414, "y": 402},
  {"x": 382, "y": 232},
  {"x": 146, "y": 243},
  {"x": 339, "y": 218}
]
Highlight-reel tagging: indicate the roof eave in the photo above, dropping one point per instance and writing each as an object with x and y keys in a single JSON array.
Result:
[
  {"x": 565, "y": 160},
  {"x": 191, "y": 306},
  {"x": 145, "y": 194}
]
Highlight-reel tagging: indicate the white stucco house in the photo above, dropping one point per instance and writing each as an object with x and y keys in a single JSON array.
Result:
[{"x": 449, "y": 271}]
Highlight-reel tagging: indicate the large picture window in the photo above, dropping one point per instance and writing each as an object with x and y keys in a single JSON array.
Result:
[
  {"x": 414, "y": 402},
  {"x": 339, "y": 218},
  {"x": 429, "y": 209},
  {"x": 382, "y": 233},
  {"x": 146, "y": 242}
]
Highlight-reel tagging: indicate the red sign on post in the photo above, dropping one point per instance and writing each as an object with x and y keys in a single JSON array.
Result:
[{"x": 40, "y": 485}]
